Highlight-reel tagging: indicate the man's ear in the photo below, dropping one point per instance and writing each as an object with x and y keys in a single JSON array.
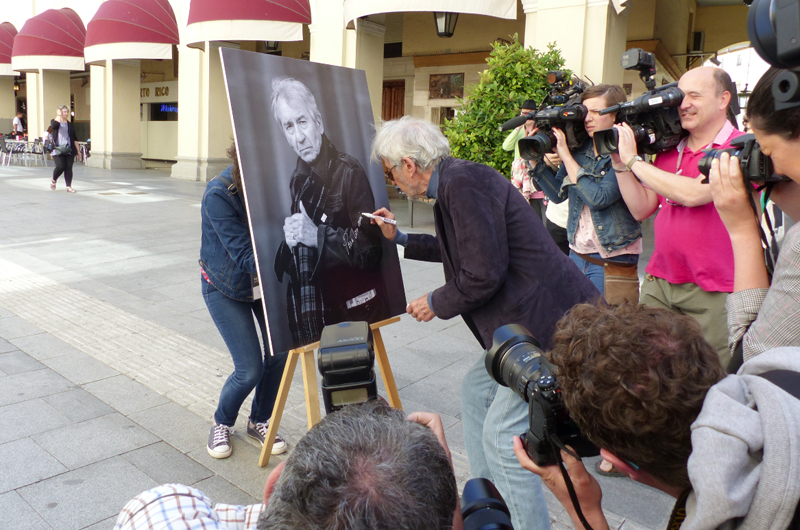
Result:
[
  {"x": 273, "y": 477},
  {"x": 726, "y": 98},
  {"x": 622, "y": 465},
  {"x": 409, "y": 165}
]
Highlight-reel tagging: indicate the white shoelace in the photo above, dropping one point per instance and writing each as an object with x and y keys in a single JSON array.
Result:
[{"x": 222, "y": 435}]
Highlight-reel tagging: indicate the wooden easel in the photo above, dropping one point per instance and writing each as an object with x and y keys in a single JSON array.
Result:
[{"x": 310, "y": 385}]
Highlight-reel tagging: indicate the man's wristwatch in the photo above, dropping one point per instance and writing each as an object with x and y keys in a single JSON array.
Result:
[{"x": 632, "y": 161}]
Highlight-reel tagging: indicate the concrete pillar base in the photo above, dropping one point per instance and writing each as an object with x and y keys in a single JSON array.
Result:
[
  {"x": 116, "y": 160},
  {"x": 198, "y": 169}
]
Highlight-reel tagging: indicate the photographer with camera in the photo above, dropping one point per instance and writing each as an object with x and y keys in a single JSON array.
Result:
[
  {"x": 761, "y": 316},
  {"x": 645, "y": 386},
  {"x": 690, "y": 271},
  {"x": 519, "y": 168},
  {"x": 605, "y": 239}
]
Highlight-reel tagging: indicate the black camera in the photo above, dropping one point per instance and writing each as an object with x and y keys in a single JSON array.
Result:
[
  {"x": 516, "y": 361},
  {"x": 653, "y": 116},
  {"x": 755, "y": 166},
  {"x": 483, "y": 508},
  {"x": 346, "y": 363},
  {"x": 774, "y": 30},
  {"x": 561, "y": 109}
]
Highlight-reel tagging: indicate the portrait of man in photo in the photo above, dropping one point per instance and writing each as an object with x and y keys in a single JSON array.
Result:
[{"x": 303, "y": 132}]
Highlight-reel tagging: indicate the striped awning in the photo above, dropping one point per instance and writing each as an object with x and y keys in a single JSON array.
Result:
[
  {"x": 52, "y": 40},
  {"x": 131, "y": 29},
  {"x": 7, "y": 34},
  {"x": 253, "y": 20},
  {"x": 354, "y": 9}
]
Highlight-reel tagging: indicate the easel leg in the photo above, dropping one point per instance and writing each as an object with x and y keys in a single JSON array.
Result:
[
  {"x": 386, "y": 370},
  {"x": 280, "y": 403},
  {"x": 310, "y": 387}
]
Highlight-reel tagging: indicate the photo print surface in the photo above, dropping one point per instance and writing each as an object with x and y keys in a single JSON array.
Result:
[{"x": 303, "y": 133}]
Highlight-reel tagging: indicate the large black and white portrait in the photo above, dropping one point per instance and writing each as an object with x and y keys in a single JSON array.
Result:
[{"x": 303, "y": 133}]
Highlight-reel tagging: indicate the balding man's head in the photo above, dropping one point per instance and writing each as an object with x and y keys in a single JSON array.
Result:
[{"x": 707, "y": 95}]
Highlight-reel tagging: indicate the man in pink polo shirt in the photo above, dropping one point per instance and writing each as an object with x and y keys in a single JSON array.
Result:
[{"x": 691, "y": 270}]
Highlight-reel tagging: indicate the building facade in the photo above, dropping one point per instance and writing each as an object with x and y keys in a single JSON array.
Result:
[{"x": 144, "y": 80}]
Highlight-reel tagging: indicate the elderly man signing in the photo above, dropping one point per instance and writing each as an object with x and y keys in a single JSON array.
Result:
[{"x": 501, "y": 267}]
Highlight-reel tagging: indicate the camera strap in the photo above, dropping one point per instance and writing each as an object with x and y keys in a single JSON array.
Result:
[{"x": 555, "y": 446}]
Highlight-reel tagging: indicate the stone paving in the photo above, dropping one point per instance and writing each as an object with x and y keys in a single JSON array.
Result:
[{"x": 110, "y": 365}]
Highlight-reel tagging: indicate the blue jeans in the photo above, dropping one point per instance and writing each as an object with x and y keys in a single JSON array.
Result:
[
  {"x": 253, "y": 366},
  {"x": 595, "y": 273},
  {"x": 492, "y": 414}
]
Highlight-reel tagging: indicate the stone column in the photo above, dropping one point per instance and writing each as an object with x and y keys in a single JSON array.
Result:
[
  {"x": 327, "y": 34},
  {"x": 369, "y": 41},
  {"x": 116, "y": 134},
  {"x": 47, "y": 90},
  {"x": 597, "y": 34},
  {"x": 8, "y": 103},
  {"x": 205, "y": 129}
]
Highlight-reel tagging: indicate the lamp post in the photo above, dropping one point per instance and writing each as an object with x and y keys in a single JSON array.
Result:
[
  {"x": 272, "y": 45},
  {"x": 445, "y": 23}
]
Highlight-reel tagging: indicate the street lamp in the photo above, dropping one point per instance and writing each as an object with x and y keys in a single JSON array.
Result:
[
  {"x": 272, "y": 45},
  {"x": 445, "y": 23}
]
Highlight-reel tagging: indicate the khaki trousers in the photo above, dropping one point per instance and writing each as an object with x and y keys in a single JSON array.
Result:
[{"x": 708, "y": 308}]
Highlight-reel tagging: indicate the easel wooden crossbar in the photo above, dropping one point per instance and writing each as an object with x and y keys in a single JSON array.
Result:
[{"x": 306, "y": 353}]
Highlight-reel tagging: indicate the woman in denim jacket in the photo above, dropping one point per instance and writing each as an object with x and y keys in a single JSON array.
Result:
[
  {"x": 228, "y": 266},
  {"x": 600, "y": 228}
]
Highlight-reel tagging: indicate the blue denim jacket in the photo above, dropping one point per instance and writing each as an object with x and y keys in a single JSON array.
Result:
[
  {"x": 597, "y": 188},
  {"x": 226, "y": 253}
]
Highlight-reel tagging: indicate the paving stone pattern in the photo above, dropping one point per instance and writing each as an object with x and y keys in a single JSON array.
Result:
[{"x": 110, "y": 365}]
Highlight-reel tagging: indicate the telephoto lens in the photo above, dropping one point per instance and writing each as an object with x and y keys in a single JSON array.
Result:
[
  {"x": 483, "y": 508},
  {"x": 514, "y": 359},
  {"x": 536, "y": 146}
]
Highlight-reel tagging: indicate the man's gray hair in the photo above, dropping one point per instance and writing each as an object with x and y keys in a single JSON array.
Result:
[
  {"x": 289, "y": 88},
  {"x": 364, "y": 468},
  {"x": 419, "y": 140}
]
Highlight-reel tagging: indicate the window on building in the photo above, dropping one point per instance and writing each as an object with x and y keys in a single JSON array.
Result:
[{"x": 164, "y": 111}]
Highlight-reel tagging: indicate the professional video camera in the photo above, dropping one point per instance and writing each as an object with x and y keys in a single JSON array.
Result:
[
  {"x": 561, "y": 109},
  {"x": 755, "y": 166},
  {"x": 653, "y": 116},
  {"x": 516, "y": 361},
  {"x": 483, "y": 508},
  {"x": 346, "y": 361},
  {"x": 774, "y": 30}
]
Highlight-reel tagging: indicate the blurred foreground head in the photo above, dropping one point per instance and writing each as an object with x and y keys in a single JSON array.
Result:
[
  {"x": 364, "y": 467},
  {"x": 634, "y": 379}
]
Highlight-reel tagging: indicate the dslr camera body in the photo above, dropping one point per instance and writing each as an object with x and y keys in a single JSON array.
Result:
[
  {"x": 561, "y": 109},
  {"x": 515, "y": 360},
  {"x": 755, "y": 166},
  {"x": 653, "y": 116}
]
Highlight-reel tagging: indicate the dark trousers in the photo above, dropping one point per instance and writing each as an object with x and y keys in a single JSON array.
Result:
[
  {"x": 536, "y": 204},
  {"x": 558, "y": 234},
  {"x": 253, "y": 366},
  {"x": 63, "y": 165}
]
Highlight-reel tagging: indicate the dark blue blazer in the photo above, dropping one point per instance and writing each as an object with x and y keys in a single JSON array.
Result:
[{"x": 501, "y": 266}]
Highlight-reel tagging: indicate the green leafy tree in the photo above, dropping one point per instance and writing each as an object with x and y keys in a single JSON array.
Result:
[{"x": 514, "y": 74}]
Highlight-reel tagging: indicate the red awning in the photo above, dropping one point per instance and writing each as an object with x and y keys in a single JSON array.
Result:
[
  {"x": 131, "y": 29},
  {"x": 237, "y": 20},
  {"x": 7, "y": 34},
  {"x": 52, "y": 40}
]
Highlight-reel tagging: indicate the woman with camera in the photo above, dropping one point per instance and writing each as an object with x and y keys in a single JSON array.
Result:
[
  {"x": 605, "y": 240},
  {"x": 762, "y": 316}
]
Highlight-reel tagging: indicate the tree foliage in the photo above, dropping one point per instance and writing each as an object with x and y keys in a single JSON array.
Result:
[{"x": 514, "y": 74}]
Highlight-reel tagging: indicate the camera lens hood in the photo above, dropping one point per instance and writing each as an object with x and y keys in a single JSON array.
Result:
[{"x": 502, "y": 341}]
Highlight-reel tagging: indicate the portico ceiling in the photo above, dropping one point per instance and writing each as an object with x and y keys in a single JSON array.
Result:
[{"x": 354, "y": 9}]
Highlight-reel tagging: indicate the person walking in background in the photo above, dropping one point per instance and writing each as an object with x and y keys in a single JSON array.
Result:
[
  {"x": 65, "y": 147},
  {"x": 17, "y": 129},
  {"x": 519, "y": 168},
  {"x": 228, "y": 267}
]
